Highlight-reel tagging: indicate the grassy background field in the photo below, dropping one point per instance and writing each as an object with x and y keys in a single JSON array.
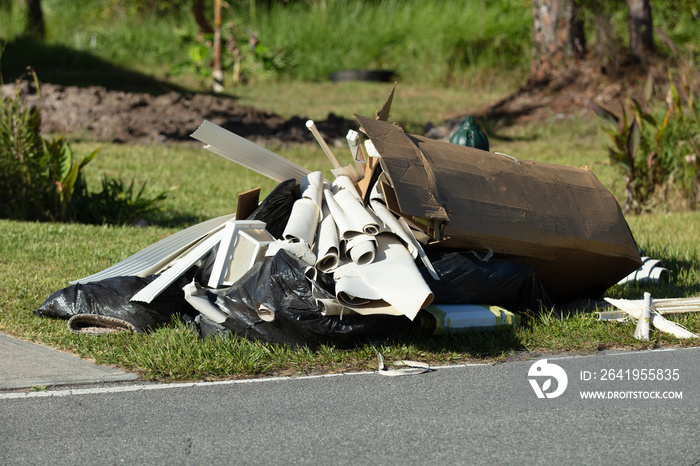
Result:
[{"x": 38, "y": 259}]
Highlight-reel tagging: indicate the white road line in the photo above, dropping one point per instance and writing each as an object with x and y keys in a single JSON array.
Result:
[{"x": 163, "y": 386}]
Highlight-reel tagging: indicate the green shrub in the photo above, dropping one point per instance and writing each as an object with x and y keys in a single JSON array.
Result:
[
  {"x": 23, "y": 179},
  {"x": 41, "y": 180},
  {"x": 118, "y": 203},
  {"x": 656, "y": 148}
]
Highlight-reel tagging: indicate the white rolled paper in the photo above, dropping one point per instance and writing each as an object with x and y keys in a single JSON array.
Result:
[
  {"x": 392, "y": 284},
  {"x": 344, "y": 182},
  {"x": 311, "y": 187},
  {"x": 327, "y": 245},
  {"x": 355, "y": 217},
  {"x": 265, "y": 313},
  {"x": 302, "y": 222},
  {"x": 361, "y": 249}
]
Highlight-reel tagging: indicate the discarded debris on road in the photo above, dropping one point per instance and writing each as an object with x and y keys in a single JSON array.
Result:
[{"x": 413, "y": 232}]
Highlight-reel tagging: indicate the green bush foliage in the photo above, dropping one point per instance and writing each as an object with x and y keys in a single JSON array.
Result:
[
  {"x": 40, "y": 179},
  {"x": 656, "y": 147}
]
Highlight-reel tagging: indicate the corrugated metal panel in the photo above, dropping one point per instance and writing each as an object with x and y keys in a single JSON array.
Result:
[
  {"x": 247, "y": 154},
  {"x": 181, "y": 266},
  {"x": 156, "y": 256}
]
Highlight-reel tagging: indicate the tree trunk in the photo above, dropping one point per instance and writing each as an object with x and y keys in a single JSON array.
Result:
[
  {"x": 35, "y": 19},
  {"x": 558, "y": 37},
  {"x": 202, "y": 21},
  {"x": 640, "y": 29}
]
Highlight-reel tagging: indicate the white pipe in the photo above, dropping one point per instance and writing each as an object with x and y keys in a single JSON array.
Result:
[{"x": 310, "y": 124}]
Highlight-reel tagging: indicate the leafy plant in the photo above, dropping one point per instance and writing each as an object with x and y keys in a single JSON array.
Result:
[
  {"x": 41, "y": 180},
  {"x": 22, "y": 173},
  {"x": 119, "y": 203},
  {"x": 656, "y": 148},
  {"x": 67, "y": 177}
]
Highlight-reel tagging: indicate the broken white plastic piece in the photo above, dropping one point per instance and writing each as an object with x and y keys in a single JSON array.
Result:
[
  {"x": 238, "y": 251},
  {"x": 247, "y": 153},
  {"x": 353, "y": 138},
  {"x": 642, "y": 330},
  {"x": 635, "y": 308},
  {"x": 157, "y": 256},
  {"x": 403, "y": 367},
  {"x": 676, "y": 305},
  {"x": 617, "y": 316},
  {"x": 371, "y": 150},
  {"x": 157, "y": 286}
]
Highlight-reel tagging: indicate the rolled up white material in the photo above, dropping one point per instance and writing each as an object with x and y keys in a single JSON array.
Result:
[
  {"x": 350, "y": 214},
  {"x": 392, "y": 284},
  {"x": 344, "y": 182},
  {"x": 327, "y": 245},
  {"x": 311, "y": 187},
  {"x": 361, "y": 249},
  {"x": 331, "y": 307},
  {"x": 265, "y": 313},
  {"x": 302, "y": 222}
]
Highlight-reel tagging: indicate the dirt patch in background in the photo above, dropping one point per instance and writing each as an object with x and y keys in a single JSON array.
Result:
[{"x": 141, "y": 118}]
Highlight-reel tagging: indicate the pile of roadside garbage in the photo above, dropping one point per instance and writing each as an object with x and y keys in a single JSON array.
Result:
[{"x": 413, "y": 232}]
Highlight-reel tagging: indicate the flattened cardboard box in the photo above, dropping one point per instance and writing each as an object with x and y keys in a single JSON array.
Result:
[{"x": 558, "y": 219}]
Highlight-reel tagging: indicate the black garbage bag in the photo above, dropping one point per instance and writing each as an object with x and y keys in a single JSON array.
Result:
[
  {"x": 111, "y": 298},
  {"x": 276, "y": 208},
  {"x": 467, "y": 279},
  {"x": 279, "y": 285}
]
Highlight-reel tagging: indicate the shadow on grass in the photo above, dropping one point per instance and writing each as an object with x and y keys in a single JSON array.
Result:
[
  {"x": 473, "y": 344},
  {"x": 61, "y": 65},
  {"x": 173, "y": 219}
]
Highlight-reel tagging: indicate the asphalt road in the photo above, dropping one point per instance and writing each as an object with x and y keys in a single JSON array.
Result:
[{"x": 486, "y": 414}]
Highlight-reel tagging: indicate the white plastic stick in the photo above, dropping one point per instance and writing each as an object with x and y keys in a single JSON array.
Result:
[
  {"x": 642, "y": 330},
  {"x": 310, "y": 124}
]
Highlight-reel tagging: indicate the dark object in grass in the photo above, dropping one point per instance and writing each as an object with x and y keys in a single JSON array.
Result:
[
  {"x": 111, "y": 298},
  {"x": 363, "y": 75},
  {"x": 468, "y": 279},
  {"x": 93, "y": 324}
]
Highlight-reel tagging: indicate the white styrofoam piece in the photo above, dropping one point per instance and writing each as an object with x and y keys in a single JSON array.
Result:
[
  {"x": 156, "y": 256},
  {"x": 153, "y": 289},
  {"x": 247, "y": 153}
]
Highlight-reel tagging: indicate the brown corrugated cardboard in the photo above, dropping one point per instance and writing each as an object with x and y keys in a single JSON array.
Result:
[{"x": 560, "y": 220}]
